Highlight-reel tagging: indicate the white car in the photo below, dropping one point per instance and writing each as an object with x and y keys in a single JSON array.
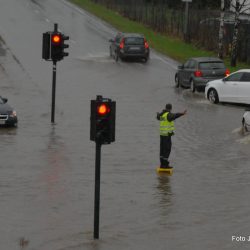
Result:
[
  {"x": 234, "y": 88},
  {"x": 246, "y": 121}
]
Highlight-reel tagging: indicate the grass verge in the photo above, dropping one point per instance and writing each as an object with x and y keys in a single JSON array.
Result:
[{"x": 172, "y": 47}]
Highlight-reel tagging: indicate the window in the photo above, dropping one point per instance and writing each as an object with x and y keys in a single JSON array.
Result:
[
  {"x": 191, "y": 64},
  {"x": 186, "y": 64},
  {"x": 117, "y": 39},
  {"x": 211, "y": 65},
  {"x": 245, "y": 77},
  {"x": 234, "y": 77},
  {"x": 134, "y": 41}
]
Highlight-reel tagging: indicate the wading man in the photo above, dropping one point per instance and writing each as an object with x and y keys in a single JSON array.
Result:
[{"x": 166, "y": 118}]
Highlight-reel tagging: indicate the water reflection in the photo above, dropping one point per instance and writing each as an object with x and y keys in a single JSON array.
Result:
[
  {"x": 5, "y": 130},
  {"x": 164, "y": 193},
  {"x": 164, "y": 188},
  {"x": 7, "y": 136},
  {"x": 55, "y": 154}
]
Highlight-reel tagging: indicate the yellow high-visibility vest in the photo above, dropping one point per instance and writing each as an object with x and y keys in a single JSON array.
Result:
[{"x": 166, "y": 127}]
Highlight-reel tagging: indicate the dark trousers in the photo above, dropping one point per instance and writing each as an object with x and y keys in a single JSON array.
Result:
[{"x": 165, "y": 149}]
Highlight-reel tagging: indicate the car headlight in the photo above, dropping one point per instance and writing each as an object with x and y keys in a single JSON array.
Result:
[{"x": 13, "y": 113}]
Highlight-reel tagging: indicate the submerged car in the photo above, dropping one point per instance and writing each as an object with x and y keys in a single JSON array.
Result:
[
  {"x": 129, "y": 45},
  {"x": 197, "y": 71},
  {"x": 246, "y": 121},
  {"x": 234, "y": 88},
  {"x": 8, "y": 116}
]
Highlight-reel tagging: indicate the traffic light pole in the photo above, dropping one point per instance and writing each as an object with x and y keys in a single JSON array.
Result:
[
  {"x": 102, "y": 132},
  {"x": 97, "y": 189},
  {"x": 53, "y": 93},
  {"x": 53, "y": 50}
]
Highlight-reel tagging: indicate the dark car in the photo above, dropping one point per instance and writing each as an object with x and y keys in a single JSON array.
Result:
[
  {"x": 8, "y": 115},
  {"x": 196, "y": 72},
  {"x": 129, "y": 45}
]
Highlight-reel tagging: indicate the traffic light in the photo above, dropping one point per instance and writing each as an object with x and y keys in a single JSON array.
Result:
[
  {"x": 58, "y": 46},
  {"x": 102, "y": 120},
  {"x": 46, "y": 46},
  {"x": 64, "y": 46},
  {"x": 54, "y": 45}
]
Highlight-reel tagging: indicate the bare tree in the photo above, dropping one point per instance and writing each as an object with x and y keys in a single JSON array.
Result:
[
  {"x": 221, "y": 30},
  {"x": 240, "y": 7}
]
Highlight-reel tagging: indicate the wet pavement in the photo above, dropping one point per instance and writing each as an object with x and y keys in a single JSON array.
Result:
[{"x": 47, "y": 171}]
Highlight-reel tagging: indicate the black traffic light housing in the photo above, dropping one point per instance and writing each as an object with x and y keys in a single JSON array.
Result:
[
  {"x": 46, "y": 46},
  {"x": 58, "y": 46},
  {"x": 102, "y": 120},
  {"x": 54, "y": 45}
]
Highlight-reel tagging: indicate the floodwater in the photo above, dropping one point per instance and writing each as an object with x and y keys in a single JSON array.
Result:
[{"x": 47, "y": 170}]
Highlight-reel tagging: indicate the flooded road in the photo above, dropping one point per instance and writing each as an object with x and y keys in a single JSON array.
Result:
[{"x": 47, "y": 171}]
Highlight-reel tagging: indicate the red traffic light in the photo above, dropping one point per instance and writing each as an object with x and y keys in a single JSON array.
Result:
[
  {"x": 103, "y": 109},
  {"x": 56, "y": 39}
]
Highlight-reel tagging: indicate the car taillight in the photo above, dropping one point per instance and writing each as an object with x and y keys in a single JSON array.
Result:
[
  {"x": 227, "y": 72},
  {"x": 121, "y": 44},
  {"x": 198, "y": 73},
  {"x": 146, "y": 44}
]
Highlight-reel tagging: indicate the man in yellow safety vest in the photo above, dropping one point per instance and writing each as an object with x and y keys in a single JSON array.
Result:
[{"x": 167, "y": 128}]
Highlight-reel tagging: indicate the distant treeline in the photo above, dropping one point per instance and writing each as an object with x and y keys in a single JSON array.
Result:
[{"x": 167, "y": 16}]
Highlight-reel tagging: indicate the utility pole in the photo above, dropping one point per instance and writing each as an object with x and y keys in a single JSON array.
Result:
[
  {"x": 221, "y": 30},
  {"x": 186, "y": 22}
]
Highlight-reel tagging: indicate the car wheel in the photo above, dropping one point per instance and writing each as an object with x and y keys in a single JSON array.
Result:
[
  {"x": 213, "y": 96},
  {"x": 145, "y": 59},
  {"x": 116, "y": 56},
  {"x": 244, "y": 125},
  {"x": 110, "y": 52},
  {"x": 192, "y": 85},
  {"x": 177, "y": 81}
]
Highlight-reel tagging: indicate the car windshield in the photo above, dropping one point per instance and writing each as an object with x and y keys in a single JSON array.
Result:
[
  {"x": 134, "y": 41},
  {"x": 211, "y": 65},
  {"x": 1, "y": 101}
]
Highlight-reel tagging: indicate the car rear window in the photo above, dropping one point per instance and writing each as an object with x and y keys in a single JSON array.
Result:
[
  {"x": 211, "y": 65},
  {"x": 134, "y": 41}
]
